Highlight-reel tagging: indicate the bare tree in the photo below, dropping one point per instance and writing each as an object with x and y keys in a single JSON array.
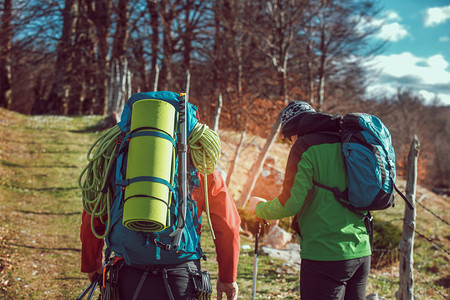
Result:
[
  {"x": 119, "y": 76},
  {"x": 152, "y": 6},
  {"x": 100, "y": 14},
  {"x": 5, "y": 54},
  {"x": 275, "y": 31},
  {"x": 441, "y": 160},
  {"x": 59, "y": 94},
  {"x": 83, "y": 79},
  {"x": 338, "y": 34},
  {"x": 167, "y": 14},
  {"x": 276, "y": 40}
]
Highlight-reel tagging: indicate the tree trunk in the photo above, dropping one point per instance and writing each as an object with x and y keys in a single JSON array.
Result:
[
  {"x": 119, "y": 88},
  {"x": 168, "y": 43},
  {"x": 102, "y": 19},
  {"x": 154, "y": 24},
  {"x": 215, "y": 125},
  {"x": 5, "y": 54},
  {"x": 139, "y": 51},
  {"x": 187, "y": 36},
  {"x": 82, "y": 98},
  {"x": 235, "y": 160},
  {"x": 321, "y": 72},
  {"x": 406, "y": 246},
  {"x": 217, "y": 79},
  {"x": 59, "y": 93},
  {"x": 239, "y": 46},
  {"x": 118, "y": 82},
  {"x": 256, "y": 169},
  {"x": 156, "y": 81},
  {"x": 121, "y": 34}
]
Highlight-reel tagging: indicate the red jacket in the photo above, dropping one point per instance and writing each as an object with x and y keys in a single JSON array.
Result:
[{"x": 224, "y": 218}]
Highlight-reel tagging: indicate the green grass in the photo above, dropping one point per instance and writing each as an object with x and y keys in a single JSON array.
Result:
[{"x": 40, "y": 215}]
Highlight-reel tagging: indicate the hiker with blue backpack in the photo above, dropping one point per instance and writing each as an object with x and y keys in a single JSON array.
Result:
[
  {"x": 338, "y": 169},
  {"x": 147, "y": 183}
]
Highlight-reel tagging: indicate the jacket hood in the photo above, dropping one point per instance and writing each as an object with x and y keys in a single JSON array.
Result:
[{"x": 317, "y": 122}]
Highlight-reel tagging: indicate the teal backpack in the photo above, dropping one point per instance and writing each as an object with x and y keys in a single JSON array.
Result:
[
  {"x": 369, "y": 159},
  {"x": 139, "y": 241},
  {"x": 370, "y": 162}
]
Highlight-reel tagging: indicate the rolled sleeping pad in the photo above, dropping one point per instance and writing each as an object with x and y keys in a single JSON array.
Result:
[{"x": 150, "y": 166}]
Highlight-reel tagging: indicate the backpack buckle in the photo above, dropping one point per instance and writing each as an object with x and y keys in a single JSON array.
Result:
[{"x": 161, "y": 245}]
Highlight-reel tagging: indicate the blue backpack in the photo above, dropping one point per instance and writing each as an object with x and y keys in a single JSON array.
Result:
[
  {"x": 370, "y": 161},
  {"x": 155, "y": 246}
]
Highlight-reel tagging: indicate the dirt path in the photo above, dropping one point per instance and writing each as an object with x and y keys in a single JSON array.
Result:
[{"x": 41, "y": 209}]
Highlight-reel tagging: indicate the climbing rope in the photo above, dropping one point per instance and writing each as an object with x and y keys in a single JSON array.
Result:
[
  {"x": 205, "y": 153},
  {"x": 205, "y": 148},
  {"x": 95, "y": 196}
]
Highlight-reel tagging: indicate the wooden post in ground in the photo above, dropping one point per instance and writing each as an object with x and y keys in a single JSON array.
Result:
[
  {"x": 235, "y": 160},
  {"x": 406, "y": 246},
  {"x": 215, "y": 125},
  {"x": 258, "y": 165}
]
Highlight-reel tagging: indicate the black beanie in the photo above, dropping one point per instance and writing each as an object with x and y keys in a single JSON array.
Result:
[{"x": 290, "y": 116}]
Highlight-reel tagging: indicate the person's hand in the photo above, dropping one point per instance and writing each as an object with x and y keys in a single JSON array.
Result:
[
  {"x": 92, "y": 274},
  {"x": 230, "y": 289},
  {"x": 253, "y": 202}
]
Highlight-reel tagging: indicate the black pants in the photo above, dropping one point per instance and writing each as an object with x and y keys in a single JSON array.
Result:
[
  {"x": 338, "y": 280},
  {"x": 153, "y": 287}
]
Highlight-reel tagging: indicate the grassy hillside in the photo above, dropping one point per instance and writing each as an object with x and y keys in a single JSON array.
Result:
[{"x": 40, "y": 208}]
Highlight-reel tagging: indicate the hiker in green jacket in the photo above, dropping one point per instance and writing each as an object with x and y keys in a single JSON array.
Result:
[{"x": 335, "y": 245}]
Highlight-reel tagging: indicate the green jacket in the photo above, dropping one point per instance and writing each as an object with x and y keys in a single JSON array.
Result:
[{"x": 328, "y": 231}]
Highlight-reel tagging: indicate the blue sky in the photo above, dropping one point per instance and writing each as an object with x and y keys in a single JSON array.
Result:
[{"x": 417, "y": 55}]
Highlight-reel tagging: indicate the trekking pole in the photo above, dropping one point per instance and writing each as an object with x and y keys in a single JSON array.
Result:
[
  {"x": 182, "y": 166},
  {"x": 90, "y": 288},
  {"x": 255, "y": 262}
]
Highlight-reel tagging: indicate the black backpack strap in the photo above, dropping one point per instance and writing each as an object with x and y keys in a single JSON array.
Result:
[
  {"x": 338, "y": 195},
  {"x": 409, "y": 203},
  {"x": 166, "y": 284},
  {"x": 294, "y": 224},
  {"x": 141, "y": 283}
]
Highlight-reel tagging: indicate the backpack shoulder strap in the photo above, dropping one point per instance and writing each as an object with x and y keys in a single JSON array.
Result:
[
  {"x": 294, "y": 224},
  {"x": 338, "y": 195},
  {"x": 409, "y": 203}
]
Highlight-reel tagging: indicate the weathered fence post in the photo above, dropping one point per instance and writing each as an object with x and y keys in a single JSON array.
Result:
[
  {"x": 258, "y": 165},
  {"x": 215, "y": 125},
  {"x": 406, "y": 246},
  {"x": 235, "y": 160}
]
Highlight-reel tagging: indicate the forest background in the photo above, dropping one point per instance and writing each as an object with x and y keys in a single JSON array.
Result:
[{"x": 79, "y": 57}]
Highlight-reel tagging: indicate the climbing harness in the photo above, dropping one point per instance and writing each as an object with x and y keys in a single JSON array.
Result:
[
  {"x": 202, "y": 284},
  {"x": 90, "y": 288}
]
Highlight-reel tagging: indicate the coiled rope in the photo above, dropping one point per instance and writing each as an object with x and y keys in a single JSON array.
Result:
[
  {"x": 96, "y": 196},
  {"x": 205, "y": 151}
]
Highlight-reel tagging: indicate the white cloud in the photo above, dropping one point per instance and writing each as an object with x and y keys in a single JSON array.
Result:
[
  {"x": 392, "y": 32},
  {"x": 428, "y": 76},
  {"x": 392, "y": 16},
  {"x": 430, "y": 70},
  {"x": 444, "y": 39},
  {"x": 390, "y": 28},
  {"x": 436, "y": 15}
]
